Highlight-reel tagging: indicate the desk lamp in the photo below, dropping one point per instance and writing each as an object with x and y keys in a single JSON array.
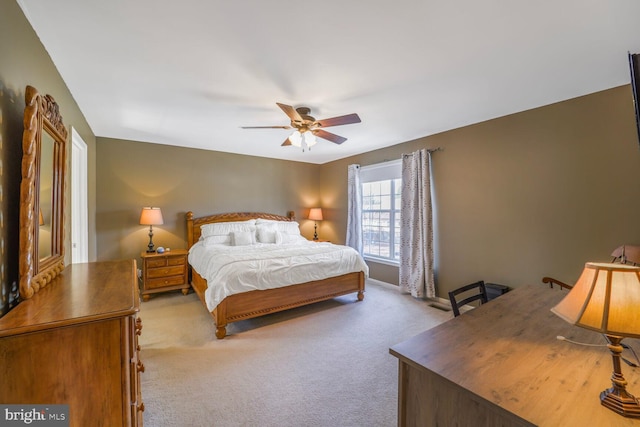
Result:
[
  {"x": 606, "y": 299},
  {"x": 316, "y": 215},
  {"x": 151, "y": 216}
]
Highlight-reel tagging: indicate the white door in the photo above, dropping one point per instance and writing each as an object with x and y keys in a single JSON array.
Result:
[{"x": 79, "y": 203}]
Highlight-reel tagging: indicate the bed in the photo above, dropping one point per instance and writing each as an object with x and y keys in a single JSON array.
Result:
[{"x": 256, "y": 300}]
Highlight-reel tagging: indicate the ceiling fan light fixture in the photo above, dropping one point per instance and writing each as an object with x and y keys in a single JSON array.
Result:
[
  {"x": 309, "y": 139},
  {"x": 296, "y": 139},
  {"x": 308, "y": 129}
]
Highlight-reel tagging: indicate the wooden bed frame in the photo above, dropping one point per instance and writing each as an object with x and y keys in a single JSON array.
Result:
[{"x": 260, "y": 302}]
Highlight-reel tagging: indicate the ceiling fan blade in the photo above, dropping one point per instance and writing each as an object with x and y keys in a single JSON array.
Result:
[
  {"x": 291, "y": 112},
  {"x": 266, "y": 127},
  {"x": 329, "y": 136},
  {"x": 340, "y": 120},
  {"x": 286, "y": 142}
]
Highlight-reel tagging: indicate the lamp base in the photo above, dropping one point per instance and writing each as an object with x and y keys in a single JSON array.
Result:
[
  {"x": 150, "y": 246},
  {"x": 621, "y": 402},
  {"x": 617, "y": 398}
]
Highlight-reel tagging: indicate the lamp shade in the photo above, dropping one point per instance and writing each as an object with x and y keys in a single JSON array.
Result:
[
  {"x": 151, "y": 216},
  {"x": 315, "y": 214},
  {"x": 606, "y": 299}
]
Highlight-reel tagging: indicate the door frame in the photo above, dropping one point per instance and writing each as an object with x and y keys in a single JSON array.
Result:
[{"x": 79, "y": 200}]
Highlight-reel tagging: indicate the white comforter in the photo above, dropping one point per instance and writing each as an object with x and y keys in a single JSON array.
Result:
[{"x": 234, "y": 269}]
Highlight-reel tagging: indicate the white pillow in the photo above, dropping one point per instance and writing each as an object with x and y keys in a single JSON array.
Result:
[
  {"x": 242, "y": 238},
  {"x": 266, "y": 234},
  {"x": 289, "y": 227},
  {"x": 287, "y": 238},
  {"x": 224, "y": 228},
  {"x": 217, "y": 240}
]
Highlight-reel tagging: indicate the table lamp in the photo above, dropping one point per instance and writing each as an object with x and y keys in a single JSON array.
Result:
[
  {"x": 315, "y": 214},
  {"x": 606, "y": 299},
  {"x": 151, "y": 216}
]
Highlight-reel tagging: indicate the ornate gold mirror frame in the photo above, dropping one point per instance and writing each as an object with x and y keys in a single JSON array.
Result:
[{"x": 41, "y": 193}]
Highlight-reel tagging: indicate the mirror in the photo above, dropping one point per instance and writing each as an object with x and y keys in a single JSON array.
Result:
[
  {"x": 47, "y": 145},
  {"x": 41, "y": 193}
]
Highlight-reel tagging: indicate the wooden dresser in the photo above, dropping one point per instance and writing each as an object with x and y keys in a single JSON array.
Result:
[
  {"x": 164, "y": 272},
  {"x": 75, "y": 342}
]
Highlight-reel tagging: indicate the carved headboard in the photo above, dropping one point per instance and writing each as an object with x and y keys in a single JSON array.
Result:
[{"x": 194, "y": 224}]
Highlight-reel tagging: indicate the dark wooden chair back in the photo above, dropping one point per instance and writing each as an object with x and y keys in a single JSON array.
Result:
[
  {"x": 624, "y": 254},
  {"x": 551, "y": 281},
  {"x": 480, "y": 295}
]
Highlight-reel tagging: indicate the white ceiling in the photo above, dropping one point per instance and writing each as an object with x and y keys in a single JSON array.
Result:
[{"x": 192, "y": 72}]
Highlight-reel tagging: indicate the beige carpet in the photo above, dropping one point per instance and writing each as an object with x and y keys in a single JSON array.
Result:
[{"x": 327, "y": 364}]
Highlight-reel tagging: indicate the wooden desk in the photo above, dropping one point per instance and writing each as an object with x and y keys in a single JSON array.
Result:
[{"x": 502, "y": 365}]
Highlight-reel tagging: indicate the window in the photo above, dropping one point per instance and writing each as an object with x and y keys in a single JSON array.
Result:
[{"x": 381, "y": 187}]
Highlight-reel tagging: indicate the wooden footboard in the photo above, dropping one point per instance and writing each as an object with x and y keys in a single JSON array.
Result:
[{"x": 258, "y": 303}]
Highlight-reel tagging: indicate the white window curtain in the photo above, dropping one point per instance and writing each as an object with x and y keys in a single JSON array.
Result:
[
  {"x": 416, "y": 232},
  {"x": 354, "y": 208}
]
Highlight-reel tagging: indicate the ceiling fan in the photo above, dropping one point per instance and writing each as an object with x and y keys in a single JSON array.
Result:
[{"x": 307, "y": 127}]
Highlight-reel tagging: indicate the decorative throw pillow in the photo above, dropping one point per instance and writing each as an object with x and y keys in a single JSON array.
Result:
[
  {"x": 217, "y": 240},
  {"x": 266, "y": 235},
  {"x": 242, "y": 238}
]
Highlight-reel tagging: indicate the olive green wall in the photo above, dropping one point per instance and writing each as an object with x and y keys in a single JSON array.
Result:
[
  {"x": 24, "y": 61},
  {"x": 136, "y": 174},
  {"x": 524, "y": 196}
]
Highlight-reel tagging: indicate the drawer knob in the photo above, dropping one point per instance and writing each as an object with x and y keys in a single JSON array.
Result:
[
  {"x": 140, "y": 407},
  {"x": 140, "y": 366}
]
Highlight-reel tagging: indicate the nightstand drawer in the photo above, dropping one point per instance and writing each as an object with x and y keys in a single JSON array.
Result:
[
  {"x": 156, "y": 262},
  {"x": 165, "y": 271},
  {"x": 163, "y": 281},
  {"x": 165, "y": 261},
  {"x": 176, "y": 260}
]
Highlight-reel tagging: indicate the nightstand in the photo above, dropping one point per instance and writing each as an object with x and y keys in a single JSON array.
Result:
[{"x": 164, "y": 272}]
